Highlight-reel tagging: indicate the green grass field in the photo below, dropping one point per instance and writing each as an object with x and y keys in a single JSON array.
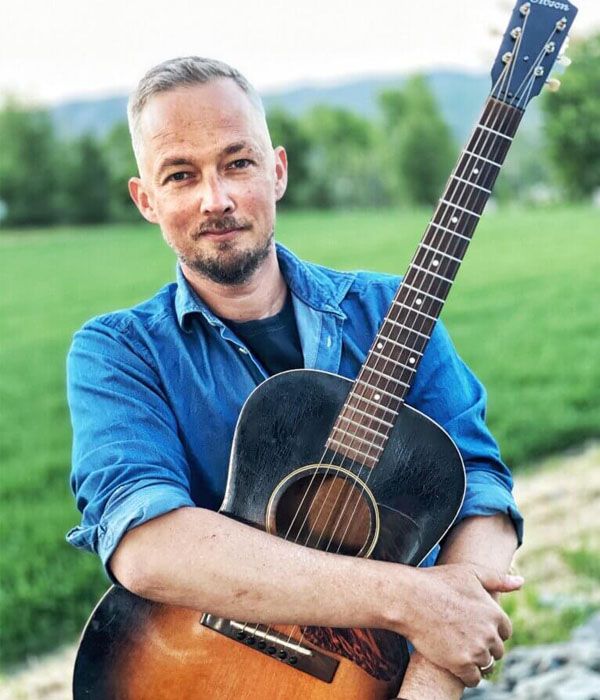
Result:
[{"x": 524, "y": 315}]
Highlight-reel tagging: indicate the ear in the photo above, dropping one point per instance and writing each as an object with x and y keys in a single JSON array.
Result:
[
  {"x": 281, "y": 172},
  {"x": 142, "y": 201}
]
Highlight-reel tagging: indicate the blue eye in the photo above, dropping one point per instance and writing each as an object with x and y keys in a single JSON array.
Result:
[
  {"x": 178, "y": 177},
  {"x": 240, "y": 163}
]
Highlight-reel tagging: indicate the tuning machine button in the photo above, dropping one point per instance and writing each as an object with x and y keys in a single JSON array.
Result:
[
  {"x": 564, "y": 60},
  {"x": 553, "y": 84}
]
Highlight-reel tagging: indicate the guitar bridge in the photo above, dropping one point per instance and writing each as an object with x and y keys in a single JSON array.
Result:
[{"x": 276, "y": 645}]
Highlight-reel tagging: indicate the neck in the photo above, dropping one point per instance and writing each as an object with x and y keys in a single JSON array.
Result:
[{"x": 261, "y": 296}]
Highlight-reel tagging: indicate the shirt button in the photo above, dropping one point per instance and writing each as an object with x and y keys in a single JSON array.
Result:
[{"x": 243, "y": 351}]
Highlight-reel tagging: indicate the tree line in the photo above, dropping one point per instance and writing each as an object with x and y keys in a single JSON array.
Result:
[{"x": 337, "y": 158}]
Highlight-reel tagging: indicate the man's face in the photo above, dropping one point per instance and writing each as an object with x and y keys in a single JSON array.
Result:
[{"x": 210, "y": 178}]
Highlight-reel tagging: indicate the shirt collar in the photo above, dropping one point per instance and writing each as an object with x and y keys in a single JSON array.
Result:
[{"x": 308, "y": 282}]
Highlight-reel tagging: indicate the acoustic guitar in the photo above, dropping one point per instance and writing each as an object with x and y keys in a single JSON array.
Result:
[{"x": 337, "y": 465}]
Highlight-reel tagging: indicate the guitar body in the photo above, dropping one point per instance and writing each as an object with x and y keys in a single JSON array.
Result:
[{"x": 283, "y": 480}]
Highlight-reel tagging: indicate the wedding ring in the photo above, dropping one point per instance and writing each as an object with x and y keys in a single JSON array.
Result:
[{"x": 488, "y": 668}]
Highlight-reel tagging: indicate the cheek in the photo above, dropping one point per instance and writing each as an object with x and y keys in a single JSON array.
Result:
[
  {"x": 177, "y": 212},
  {"x": 258, "y": 202}
]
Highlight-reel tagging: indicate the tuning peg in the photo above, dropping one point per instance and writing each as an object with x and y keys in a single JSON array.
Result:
[
  {"x": 553, "y": 84},
  {"x": 564, "y": 60}
]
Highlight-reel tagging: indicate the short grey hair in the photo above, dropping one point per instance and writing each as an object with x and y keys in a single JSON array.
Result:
[{"x": 181, "y": 72}]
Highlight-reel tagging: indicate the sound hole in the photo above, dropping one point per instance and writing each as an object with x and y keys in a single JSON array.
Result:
[{"x": 331, "y": 513}]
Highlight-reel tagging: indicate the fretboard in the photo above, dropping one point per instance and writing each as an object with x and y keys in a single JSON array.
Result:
[{"x": 363, "y": 426}]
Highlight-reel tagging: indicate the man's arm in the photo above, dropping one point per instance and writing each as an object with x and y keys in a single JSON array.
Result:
[
  {"x": 196, "y": 558},
  {"x": 488, "y": 541},
  {"x": 132, "y": 479}
]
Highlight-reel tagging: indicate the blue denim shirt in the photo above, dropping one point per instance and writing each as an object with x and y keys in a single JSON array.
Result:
[{"x": 155, "y": 392}]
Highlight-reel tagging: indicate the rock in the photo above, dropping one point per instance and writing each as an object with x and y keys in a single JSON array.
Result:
[
  {"x": 569, "y": 683},
  {"x": 590, "y": 631},
  {"x": 566, "y": 671}
]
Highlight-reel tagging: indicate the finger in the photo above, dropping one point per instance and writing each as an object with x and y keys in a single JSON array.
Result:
[
  {"x": 471, "y": 677},
  {"x": 494, "y": 582},
  {"x": 505, "y": 628},
  {"x": 497, "y": 649}
]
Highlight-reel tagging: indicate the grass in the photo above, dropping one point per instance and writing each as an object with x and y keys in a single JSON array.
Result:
[
  {"x": 523, "y": 315},
  {"x": 583, "y": 561}
]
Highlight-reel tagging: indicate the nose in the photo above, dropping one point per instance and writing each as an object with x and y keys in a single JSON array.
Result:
[{"x": 215, "y": 197}]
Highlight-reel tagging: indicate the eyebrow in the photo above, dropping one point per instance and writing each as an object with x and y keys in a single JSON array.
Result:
[{"x": 236, "y": 148}]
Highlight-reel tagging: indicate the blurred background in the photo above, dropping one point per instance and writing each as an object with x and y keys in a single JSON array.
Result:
[{"x": 373, "y": 107}]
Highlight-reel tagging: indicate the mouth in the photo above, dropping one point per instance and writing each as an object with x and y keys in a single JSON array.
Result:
[{"x": 220, "y": 234}]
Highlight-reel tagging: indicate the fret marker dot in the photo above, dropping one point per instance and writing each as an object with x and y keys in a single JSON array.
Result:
[
  {"x": 475, "y": 171},
  {"x": 411, "y": 360},
  {"x": 435, "y": 263},
  {"x": 418, "y": 302},
  {"x": 454, "y": 219},
  {"x": 377, "y": 397},
  {"x": 380, "y": 346}
]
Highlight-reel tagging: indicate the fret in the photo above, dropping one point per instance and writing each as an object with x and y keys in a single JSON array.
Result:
[
  {"x": 410, "y": 308},
  {"x": 487, "y": 160},
  {"x": 446, "y": 255},
  {"x": 406, "y": 328},
  {"x": 493, "y": 131},
  {"x": 387, "y": 358},
  {"x": 377, "y": 390},
  {"x": 370, "y": 415},
  {"x": 473, "y": 184},
  {"x": 359, "y": 397},
  {"x": 358, "y": 425},
  {"x": 449, "y": 230},
  {"x": 395, "y": 342},
  {"x": 371, "y": 445},
  {"x": 457, "y": 206},
  {"x": 428, "y": 272},
  {"x": 389, "y": 377}
]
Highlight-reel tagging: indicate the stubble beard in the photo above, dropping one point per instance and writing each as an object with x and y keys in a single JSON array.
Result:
[{"x": 227, "y": 265}]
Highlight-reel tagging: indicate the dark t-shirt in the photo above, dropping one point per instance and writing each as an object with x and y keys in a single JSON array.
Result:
[{"x": 274, "y": 341}]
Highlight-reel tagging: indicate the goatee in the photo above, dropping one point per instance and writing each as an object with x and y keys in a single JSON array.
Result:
[{"x": 228, "y": 266}]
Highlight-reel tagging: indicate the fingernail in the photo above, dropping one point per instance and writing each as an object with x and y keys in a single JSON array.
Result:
[{"x": 515, "y": 580}]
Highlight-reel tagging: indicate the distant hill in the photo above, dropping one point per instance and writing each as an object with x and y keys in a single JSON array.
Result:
[{"x": 459, "y": 94}]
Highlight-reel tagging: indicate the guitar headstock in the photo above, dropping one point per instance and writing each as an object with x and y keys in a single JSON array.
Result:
[{"x": 530, "y": 47}]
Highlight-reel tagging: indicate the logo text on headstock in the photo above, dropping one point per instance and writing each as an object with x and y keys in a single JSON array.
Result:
[{"x": 552, "y": 3}]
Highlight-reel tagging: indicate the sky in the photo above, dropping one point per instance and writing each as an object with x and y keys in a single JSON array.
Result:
[{"x": 53, "y": 50}]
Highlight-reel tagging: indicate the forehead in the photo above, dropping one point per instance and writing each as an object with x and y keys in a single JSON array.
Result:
[{"x": 200, "y": 116}]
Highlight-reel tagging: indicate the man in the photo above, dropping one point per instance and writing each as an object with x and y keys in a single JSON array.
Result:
[{"x": 155, "y": 392}]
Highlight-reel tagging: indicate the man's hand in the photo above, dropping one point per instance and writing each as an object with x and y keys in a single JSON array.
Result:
[
  {"x": 456, "y": 623},
  {"x": 475, "y": 542}
]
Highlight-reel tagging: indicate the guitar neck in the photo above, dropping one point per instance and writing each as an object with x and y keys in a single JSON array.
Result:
[{"x": 387, "y": 373}]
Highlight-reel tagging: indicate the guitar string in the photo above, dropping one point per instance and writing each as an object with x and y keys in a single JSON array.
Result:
[
  {"x": 507, "y": 119},
  {"x": 462, "y": 172},
  {"x": 506, "y": 116},
  {"x": 460, "y": 192},
  {"x": 428, "y": 290},
  {"x": 353, "y": 409},
  {"x": 411, "y": 371},
  {"x": 432, "y": 287},
  {"x": 512, "y": 64}
]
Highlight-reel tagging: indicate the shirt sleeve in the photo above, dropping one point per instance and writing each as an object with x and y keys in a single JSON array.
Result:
[
  {"x": 447, "y": 391},
  {"x": 128, "y": 465}
]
